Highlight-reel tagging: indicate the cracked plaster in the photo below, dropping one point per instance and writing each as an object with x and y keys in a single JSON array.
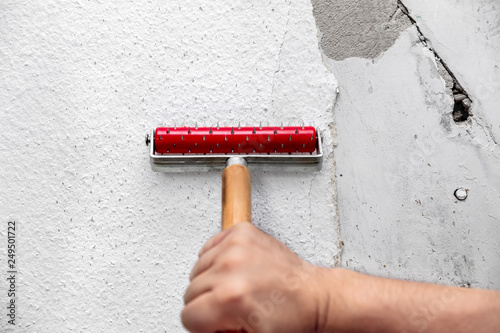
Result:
[
  {"x": 359, "y": 28},
  {"x": 400, "y": 155}
]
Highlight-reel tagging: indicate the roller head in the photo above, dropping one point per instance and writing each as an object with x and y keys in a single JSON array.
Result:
[
  {"x": 230, "y": 140},
  {"x": 206, "y": 148}
]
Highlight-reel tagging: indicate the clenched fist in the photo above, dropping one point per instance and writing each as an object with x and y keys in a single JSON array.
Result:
[{"x": 245, "y": 279}]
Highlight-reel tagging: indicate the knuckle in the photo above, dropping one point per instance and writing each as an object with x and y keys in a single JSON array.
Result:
[
  {"x": 193, "y": 273},
  {"x": 239, "y": 239},
  {"x": 191, "y": 321},
  {"x": 198, "y": 267},
  {"x": 187, "y": 294},
  {"x": 234, "y": 293},
  {"x": 186, "y": 318},
  {"x": 232, "y": 259},
  {"x": 185, "y": 297}
]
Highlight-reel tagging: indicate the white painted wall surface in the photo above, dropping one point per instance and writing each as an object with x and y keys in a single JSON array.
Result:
[{"x": 104, "y": 243}]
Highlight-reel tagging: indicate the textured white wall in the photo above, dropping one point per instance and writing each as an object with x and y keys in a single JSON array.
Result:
[{"x": 105, "y": 244}]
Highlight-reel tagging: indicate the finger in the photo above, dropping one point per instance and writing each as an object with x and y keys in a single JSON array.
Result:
[
  {"x": 214, "y": 247},
  {"x": 204, "y": 316},
  {"x": 214, "y": 241},
  {"x": 205, "y": 262},
  {"x": 245, "y": 227},
  {"x": 200, "y": 285}
]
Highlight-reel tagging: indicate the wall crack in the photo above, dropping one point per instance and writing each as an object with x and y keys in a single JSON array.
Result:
[{"x": 462, "y": 102}]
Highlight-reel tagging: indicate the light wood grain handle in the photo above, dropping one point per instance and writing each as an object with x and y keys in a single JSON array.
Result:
[{"x": 236, "y": 195}]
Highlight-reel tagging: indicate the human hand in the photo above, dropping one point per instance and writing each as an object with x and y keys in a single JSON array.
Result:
[{"x": 245, "y": 279}]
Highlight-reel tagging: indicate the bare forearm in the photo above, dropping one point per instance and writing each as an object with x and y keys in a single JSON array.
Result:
[
  {"x": 245, "y": 279},
  {"x": 361, "y": 303}
]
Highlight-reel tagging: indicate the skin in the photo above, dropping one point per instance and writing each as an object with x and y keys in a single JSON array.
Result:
[{"x": 247, "y": 280}]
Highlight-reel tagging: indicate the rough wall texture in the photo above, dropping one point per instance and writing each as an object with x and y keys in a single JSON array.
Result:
[
  {"x": 401, "y": 156},
  {"x": 105, "y": 244},
  {"x": 359, "y": 28}
]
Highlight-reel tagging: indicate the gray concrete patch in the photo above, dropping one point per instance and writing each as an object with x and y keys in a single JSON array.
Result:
[{"x": 359, "y": 28}]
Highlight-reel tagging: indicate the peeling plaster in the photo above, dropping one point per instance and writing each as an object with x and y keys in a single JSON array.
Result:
[
  {"x": 380, "y": 173},
  {"x": 359, "y": 28},
  {"x": 399, "y": 160}
]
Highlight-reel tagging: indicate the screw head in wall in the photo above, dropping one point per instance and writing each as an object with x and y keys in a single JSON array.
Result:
[{"x": 461, "y": 193}]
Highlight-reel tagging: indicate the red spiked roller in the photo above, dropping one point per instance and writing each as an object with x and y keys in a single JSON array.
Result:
[{"x": 234, "y": 140}]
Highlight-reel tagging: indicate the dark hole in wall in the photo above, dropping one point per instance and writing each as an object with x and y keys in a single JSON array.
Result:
[
  {"x": 461, "y": 109},
  {"x": 460, "y": 113}
]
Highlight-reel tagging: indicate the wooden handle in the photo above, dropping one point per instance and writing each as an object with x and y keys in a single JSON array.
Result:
[
  {"x": 236, "y": 199},
  {"x": 236, "y": 196}
]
